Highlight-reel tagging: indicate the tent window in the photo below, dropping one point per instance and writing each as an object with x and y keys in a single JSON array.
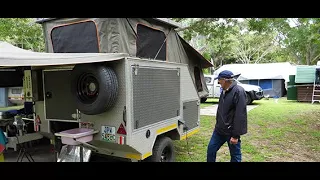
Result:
[
  {"x": 149, "y": 42},
  {"x": 198, "y": 79},
  {"x": 75, "y": 38}
]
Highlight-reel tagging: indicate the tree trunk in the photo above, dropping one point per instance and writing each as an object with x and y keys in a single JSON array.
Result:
[{"x": 307, "y": 56}]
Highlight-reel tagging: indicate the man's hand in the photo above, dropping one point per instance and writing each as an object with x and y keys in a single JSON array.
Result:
[{"x": 233, "y": 140}]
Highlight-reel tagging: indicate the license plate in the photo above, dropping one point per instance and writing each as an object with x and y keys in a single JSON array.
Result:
[{"x": 108, "y": 133}]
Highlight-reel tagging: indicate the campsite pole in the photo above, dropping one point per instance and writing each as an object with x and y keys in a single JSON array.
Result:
[{"x": 162, "y": 44}]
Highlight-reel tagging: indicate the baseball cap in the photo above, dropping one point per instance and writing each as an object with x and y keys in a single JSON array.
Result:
[{"x": 225, "y": 74}]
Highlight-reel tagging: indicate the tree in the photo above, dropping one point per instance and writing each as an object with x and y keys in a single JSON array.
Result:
[
  {"x": 211, "y": 37},
  {"x": 228, "y": 40},
  {"x": 254, "y": 47},
  {"x": 22, "y": 32},
  {"x": 300, "y": 36}
]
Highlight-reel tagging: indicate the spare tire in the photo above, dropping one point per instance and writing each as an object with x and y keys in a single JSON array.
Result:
[{"x": 94, "y": 88}]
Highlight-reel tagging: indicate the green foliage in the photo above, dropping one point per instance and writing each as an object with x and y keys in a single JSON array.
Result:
[
  {"x": 224, "y": 40},
  {"x": 253, "y": 47},
  {"x": 22, "y": 32},
  {"x": 300, "y": 40},
  {"x": 255, "y": 40},
  {"x": 227, "y": 40}
]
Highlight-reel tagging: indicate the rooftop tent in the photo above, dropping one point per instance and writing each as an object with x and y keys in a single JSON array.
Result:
[{"x": 151, "y": 38}]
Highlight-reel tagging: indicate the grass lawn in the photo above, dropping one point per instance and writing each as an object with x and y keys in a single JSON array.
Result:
[
  {"x": 209, "y": 102},
  {"x": 286, "y": 131},
  {"x": 11, "y": 108}
]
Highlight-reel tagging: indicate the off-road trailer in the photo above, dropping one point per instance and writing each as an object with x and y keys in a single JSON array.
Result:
[
  {"x": 135, "y": 81},
  {"x": 144, "y": 105}
]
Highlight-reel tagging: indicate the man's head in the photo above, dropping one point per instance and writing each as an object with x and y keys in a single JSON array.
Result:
[{"x": 225, "y": 79}]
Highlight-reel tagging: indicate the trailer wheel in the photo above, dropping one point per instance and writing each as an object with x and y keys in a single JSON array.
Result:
[
  {"x": 94, "y": 87},
  {"x": 163, "y": 150}
]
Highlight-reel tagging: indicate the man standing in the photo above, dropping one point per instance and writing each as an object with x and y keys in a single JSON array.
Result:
[{"x": 231, "y": 118}]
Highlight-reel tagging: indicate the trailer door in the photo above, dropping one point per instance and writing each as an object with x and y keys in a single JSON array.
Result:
[{"x": 59, "y": 104}]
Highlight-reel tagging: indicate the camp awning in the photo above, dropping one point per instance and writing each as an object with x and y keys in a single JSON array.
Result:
[{"x": 12, "y": 56}]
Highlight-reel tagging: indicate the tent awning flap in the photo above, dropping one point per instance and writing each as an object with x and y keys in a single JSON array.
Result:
[
  {"x": 204, "y": 63},
  {"x": 12, "y": 56}
]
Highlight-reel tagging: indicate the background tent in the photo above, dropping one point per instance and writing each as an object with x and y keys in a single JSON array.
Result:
[{"x": 271, "y": 77}]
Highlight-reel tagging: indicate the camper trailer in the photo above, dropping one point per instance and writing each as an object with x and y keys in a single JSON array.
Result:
[{"x": 129, "y": 86}]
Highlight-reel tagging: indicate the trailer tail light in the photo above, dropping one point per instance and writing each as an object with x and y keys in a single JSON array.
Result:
[
  {"x": 121, "y": 140},
  {"x": 37, "y": 123},
  {"x": 121, "y": 130}
]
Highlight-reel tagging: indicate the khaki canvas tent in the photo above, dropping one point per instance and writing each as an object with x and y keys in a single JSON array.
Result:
[
  {"x": 152, "y": 38},
  {"x": 134, "y": 81}
]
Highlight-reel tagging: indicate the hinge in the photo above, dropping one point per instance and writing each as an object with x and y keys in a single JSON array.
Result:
[
  {"x": 78, "y": 115},
  {"x": 125, "y": 116},
  {"x": 135, "y": 69}
]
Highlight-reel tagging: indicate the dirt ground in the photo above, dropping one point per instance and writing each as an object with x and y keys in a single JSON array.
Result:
[
  {"x": 44, "y": 153},
  {"x": 39, "y": 153}
]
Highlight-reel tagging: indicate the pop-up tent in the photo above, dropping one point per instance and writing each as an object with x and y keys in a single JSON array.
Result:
[
  {"x": 73, "y": 40},
  {"x": 151, "y": 38},
  {"x": 271, "y": 77}
]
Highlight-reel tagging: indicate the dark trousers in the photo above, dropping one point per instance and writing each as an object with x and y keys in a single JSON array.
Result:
[{"x": 217, "y": 141}]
